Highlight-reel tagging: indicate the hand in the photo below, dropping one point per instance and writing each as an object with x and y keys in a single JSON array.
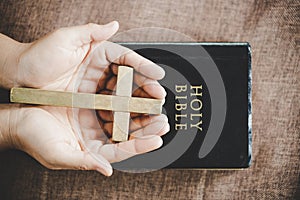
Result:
[{"x": 78, "y": 59}]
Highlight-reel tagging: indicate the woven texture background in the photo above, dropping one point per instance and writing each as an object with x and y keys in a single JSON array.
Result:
[{"x": 271, "y": 27}]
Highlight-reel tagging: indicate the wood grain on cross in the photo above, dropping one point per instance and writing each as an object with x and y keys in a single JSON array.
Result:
[
  {"x": 122, "y": 103},
  {"x": 122, "y": 119}
]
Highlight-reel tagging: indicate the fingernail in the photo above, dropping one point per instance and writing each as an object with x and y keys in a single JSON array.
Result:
[
  {"x": 109, "y": 171},
  {"x": 106, "y": 171},
  {"x": 165, "y": 92},
  {"x": 160, "y": 142},
  {"x": 157, "y": 140}
]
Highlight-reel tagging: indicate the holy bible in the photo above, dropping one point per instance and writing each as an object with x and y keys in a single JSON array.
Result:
[{"x": 208, "y": 106}]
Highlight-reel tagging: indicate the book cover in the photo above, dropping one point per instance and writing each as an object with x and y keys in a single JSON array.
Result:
[{"x": 208, "y": 105}]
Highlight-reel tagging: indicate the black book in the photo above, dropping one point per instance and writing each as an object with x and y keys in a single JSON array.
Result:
[{"x": 208, "y": 105}]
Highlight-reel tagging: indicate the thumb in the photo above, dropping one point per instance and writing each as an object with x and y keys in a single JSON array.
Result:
[
  {"x": 84, "y": 34},
  {"x": 85, "y": 161}
]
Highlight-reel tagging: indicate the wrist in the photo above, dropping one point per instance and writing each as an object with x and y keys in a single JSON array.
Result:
[
  {"x": 11, "y": 52},
  {"x": 6, "y": 127},
  {"x": 10, "y": 118}
]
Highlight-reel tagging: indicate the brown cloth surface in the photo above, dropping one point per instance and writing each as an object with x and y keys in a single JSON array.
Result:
[{"x": 271, "y": 27}]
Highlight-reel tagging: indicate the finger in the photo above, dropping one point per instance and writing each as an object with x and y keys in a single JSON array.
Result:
[
  {"x": 144, "y": 87},
  {"x": 111, "y": 83},
  {"x": 114, "y": 69},
  {"x": 135, "y": 123},
  {"x": 134, "y": 115},
  {"x": 103, "y": 79},
  {"x": 151, "y": 87},
  {"x": 123, "y": 56},
  {"x": 158, "y": 128},
  {"x": 139, "y": 92},
  {"x": 84, "y": 161},
  {"x": 106, "y": 115},
  {"x": 107, "y": 128},
  {"x": 76, "y": 159},
  {"x": 124, "y": 150},
  {"x": 108, "y": 92},
  {"x": 143, "y": 121},
  {"x": 81, "y": 35}
]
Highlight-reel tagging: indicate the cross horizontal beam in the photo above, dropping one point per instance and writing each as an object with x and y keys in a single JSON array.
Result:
[{"x": 85, "y": 100}]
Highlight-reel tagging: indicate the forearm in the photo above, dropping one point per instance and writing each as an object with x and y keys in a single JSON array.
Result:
[{"x": 10, "y": 51}]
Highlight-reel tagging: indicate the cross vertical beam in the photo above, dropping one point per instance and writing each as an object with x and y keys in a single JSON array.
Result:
[{"x": 122, "y": 119}]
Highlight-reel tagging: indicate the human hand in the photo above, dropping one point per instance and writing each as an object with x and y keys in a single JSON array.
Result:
[{"x": 78, "y": 59}]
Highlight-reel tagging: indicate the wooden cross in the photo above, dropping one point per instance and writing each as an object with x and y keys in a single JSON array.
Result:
[{"x": 122, "y": 103}]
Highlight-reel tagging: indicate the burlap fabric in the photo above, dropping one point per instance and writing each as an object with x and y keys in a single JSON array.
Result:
[{"x": 271, "y": 27}]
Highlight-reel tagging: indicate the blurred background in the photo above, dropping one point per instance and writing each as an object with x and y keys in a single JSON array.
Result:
[{"x": 272, "y": 29}]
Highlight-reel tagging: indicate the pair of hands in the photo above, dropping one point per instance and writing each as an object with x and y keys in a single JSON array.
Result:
[{"x": 79, "y": 59}]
